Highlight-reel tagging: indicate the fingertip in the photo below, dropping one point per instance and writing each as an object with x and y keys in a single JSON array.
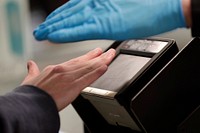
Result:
[
  {"x": 31, "y": 61},
  {"x": 111, "y": 53},
  {"x": 58, "y": 38},
  {"x": 97, "y": 51},
  {"x": 35, "y": 31},
  {"x": 32, "y": 67},
  {"x": 29, "y": 65},
  {"x": 35, "y": 34},
  {"x": 40, "y": 35}
]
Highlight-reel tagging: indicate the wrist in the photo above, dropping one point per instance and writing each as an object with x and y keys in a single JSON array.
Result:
[{"x": 186, "y": 5}]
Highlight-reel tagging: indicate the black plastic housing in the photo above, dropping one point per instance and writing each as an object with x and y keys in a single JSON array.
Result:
[{"x": 92, "y": 117}]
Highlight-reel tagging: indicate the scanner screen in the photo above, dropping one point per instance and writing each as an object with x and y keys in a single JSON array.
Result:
[{"x": 120, "y": 72}]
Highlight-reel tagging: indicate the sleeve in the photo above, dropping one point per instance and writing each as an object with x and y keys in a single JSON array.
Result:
[
  {"x": 195, "y": 10},
  {"x": 28, "y": 110}
]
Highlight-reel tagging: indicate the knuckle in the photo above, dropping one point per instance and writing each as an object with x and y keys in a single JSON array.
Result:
[
  {"x": 102, "y": 69},
  {"x": 61, "y": 76},
  {"x": 58, "y": 69},
  {"x": 74, "y": 61},
  {"x": 49, "y": 68},
  {"x": 100, "y": 62},
  {"x": 90, "y": 68}
]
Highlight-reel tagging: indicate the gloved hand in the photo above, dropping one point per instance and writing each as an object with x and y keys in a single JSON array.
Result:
[{"x": 110, "y": 19}]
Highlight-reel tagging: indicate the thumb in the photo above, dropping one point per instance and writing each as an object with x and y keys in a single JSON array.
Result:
[{"x": 33, "y": 71}]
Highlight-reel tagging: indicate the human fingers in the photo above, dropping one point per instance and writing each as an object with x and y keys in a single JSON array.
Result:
[
  {"x": 69, "y": 83},
  {"x": 67, "y": 18},
  {"x": 70, "y": 4},
  {"x": 65, "y": 14},
  {"x": 81, "y": 68},
  {"x": 87, "y": 31},
  {"x": 33, "y": 71},
  {"x": 71, "y": 88},
  {"x": 88, "y": 56},
  {"x": 62, "y": 22},
  {"x": 106, "y": 57},
  {"x": 88, "y": 61},
  {"x": 95, "y": 68}
]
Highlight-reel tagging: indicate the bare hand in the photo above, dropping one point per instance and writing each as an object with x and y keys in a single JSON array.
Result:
[{"x": 65, "y": 81}]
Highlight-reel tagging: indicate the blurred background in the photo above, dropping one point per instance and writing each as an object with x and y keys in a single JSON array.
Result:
[{"x": 17, "y": 46}]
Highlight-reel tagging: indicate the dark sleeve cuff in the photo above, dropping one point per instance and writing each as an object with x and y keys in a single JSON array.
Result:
[
  {"x": 28, "y": 110},
  {"x": 195, "y": 10}
]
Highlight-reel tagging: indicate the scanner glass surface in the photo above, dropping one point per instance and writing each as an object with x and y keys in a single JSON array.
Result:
[{"x": 120, "y": 72}]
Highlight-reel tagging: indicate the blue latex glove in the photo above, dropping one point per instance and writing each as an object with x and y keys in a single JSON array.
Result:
[{"x": 110, "y": 19}]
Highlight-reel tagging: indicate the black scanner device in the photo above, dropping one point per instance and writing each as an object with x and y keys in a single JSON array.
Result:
[{"x": 142, "y": 91}]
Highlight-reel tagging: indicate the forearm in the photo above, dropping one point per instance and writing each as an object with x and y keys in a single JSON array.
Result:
[
  {"x": 186, "y": 6},
  {"x": 28, "y": 110}
]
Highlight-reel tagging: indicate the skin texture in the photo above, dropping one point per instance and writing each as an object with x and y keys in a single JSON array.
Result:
[
  {"x": 187, "y": 11},
  {"x": 65, "y": 81}
]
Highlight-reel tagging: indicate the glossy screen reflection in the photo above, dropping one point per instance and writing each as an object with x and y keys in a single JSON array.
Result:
[{"x": 120, "y": 72}]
